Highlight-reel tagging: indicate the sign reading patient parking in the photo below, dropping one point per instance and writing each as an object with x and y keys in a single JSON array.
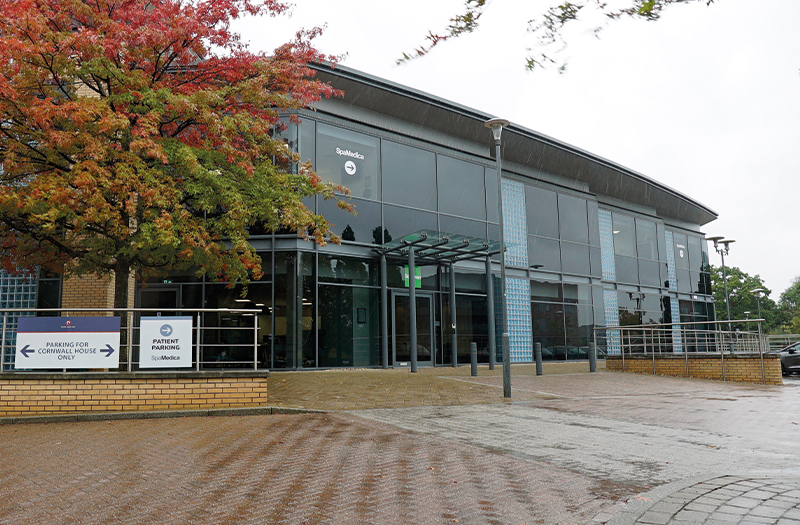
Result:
[
  {"x": 67, "y": 342},
  {"x": 166, "y": 342}
]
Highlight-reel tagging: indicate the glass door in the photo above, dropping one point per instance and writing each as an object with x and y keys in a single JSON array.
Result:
[{"x": 401, "y": 336}]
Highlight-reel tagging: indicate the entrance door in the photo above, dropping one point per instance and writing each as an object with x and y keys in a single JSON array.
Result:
[{"x": 401, "y": 336}]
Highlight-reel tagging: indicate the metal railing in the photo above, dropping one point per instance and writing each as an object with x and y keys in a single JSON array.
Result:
[
  {"x": 222, "y": 338},
  {"x": 778, "y": 341},
  {"x": 715, "y": 338},
  {"x": 710, "y": 337}
]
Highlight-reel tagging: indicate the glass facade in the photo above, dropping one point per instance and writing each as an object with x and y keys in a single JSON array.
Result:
[
  {"x": 579, "y": 264},
  {"x": 574, "y": 262}
]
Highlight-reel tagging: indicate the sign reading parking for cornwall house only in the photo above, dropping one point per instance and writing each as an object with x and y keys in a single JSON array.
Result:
[{"x": 67, "y": 342}]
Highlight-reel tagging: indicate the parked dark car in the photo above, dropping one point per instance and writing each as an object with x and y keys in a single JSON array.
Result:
[{"x": 790, "y": 358}]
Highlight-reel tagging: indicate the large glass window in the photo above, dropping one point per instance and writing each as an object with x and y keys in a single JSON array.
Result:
[
  {"x": 491, "y": 196},
  {"x": 624, "y": 235},
  {"x": 627, "y": 269},
  {"x": 308, "y": 141},
  {"x": 542, "y": 210},
  {"x": 349, "y": 326},
  {"x": 347, "y": 270},
  {"x": 575, "y": 258},
  {"x": 364, "y": 227},
  {"x": 572, "y": 219},
  {"x": 458, "y": 226},
  {"x": 695, "y": 253},
  {"x": 409, "y": 175},
  {"x": 646, "y": 239},
  {"x": 462, "y": 188},
  {"x": 681, "y": 251},
  {"x": 545, "y": 252},
  {"x": 402, "y": 221},
  {"x": 350, "y": 159}
]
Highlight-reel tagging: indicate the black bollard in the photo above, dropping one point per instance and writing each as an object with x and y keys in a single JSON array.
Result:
[
  {"x": 473, "y": 357},
  {"x": 537, "y": 353}
]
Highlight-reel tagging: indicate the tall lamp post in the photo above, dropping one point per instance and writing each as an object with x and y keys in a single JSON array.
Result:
[
  {"x": 497, "y": 125},
  {"x": 758, "y": 292},
  {"x": 723, "y": 251}
]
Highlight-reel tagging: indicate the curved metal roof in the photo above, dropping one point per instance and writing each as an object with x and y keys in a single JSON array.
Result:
[{"x": 520, "y": 145}]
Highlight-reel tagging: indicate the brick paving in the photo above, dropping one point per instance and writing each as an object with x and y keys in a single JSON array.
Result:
[
  {"x": 337, "y": 467},
  {"x": 398, "y": 388},
  {"x": 279, "y": 469}
]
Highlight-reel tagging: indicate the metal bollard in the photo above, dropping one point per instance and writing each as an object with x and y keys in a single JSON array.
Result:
[
  {"x": 593, "y": 358},
  {"x": 473, "y": 357},
  {"x": 537, "y": 354}
]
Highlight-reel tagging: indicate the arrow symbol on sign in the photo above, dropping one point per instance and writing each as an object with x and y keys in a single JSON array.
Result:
[
  {"x": 25, "y": 351},
  {"x": 108, "y": 349}
]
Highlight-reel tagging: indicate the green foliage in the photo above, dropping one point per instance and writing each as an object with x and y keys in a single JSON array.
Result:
[
  {"x": 547, "y": 29},
  {"x": 742, "y": 299}
]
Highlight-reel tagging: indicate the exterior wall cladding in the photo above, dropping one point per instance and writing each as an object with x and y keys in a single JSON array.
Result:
[{"x": 589, "y": 243}]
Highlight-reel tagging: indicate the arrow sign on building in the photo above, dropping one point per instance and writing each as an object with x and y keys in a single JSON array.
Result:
[{"x": 67, "y": 342}]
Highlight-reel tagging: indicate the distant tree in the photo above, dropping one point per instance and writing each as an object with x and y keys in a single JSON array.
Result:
[
  {"x": 742, "y": 299},
  {"x": 547, "y": 28},
  {"x": 136, "y": 136},
  {"x": 790, "y": 304}
]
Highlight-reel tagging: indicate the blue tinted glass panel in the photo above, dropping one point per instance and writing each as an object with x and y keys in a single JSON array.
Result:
[
  {"x": 409, "y": 175},
  {"x": 364, "y": 227},
  {"x": 462, "y": 187},
  {"x": 350, "y": 159},
  {"x": 542, "y": 211},
  {"x": 575, "y": 258},
  {"x": 545, "y": 252},
  {"x": 573, "y": 219}
]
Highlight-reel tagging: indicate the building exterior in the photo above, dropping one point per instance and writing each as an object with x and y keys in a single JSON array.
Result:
[{"x": 589, "y": 243}]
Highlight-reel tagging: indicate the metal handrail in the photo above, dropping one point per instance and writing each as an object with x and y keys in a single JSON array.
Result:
[{"x": 130, "y": 328}]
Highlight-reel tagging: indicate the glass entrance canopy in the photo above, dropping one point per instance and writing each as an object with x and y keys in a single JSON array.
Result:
[{"x": 431, "y": 246}]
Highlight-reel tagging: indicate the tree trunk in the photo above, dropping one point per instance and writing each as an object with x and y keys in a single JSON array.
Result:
[{"x": 122, "y": 273}]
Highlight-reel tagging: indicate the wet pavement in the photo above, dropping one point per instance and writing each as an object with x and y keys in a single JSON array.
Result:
[{"x": 434, "y": 447}]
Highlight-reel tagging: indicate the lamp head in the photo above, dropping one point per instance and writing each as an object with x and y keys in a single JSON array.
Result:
[
  {"x": 758, "y": 290},
  {"x": 496, "y": 125}
]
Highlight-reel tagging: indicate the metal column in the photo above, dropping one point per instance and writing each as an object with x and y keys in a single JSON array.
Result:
[
  {"x": 384, "y": 316},
  {"x": 412, "y": 308},
  {"x": 453, "y": 335},
  {"x": 490, "y": 313}
]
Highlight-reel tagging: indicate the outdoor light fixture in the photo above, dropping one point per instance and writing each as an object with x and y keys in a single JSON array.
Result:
[
  {"x": 758, "y": 292},
  {"x": 497, "y": 125},
  {"x": 723, "y": 251}
]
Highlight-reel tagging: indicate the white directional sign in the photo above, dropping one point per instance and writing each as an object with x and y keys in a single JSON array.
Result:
[
  {"x": 165, "y": 342},
  {"x": 67, "y": 342}
]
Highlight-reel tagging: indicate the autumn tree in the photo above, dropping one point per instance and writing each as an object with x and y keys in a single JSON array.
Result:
[
  {"x": 547, "y": 29},
  {"x": 136, "y": 136}
]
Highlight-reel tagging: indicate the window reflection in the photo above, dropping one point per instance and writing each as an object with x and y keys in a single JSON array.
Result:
[
  {"x": 409, "y": 176},
  {"x": 348, "y": 158},
  {"x": 462, "y": 188}
]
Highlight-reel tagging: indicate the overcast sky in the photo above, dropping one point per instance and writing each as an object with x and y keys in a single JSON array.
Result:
[{"x": 706, "y": 101}]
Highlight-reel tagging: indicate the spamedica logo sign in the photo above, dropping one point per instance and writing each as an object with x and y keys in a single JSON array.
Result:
[{"x": 166, "y": 342}]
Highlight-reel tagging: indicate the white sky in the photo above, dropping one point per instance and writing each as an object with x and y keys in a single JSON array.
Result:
[{"x": 706, "y": 100}]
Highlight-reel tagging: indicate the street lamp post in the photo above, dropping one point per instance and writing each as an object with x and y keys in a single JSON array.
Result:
[
  {"x": 723, "y": 251},
  {"x": 758, "y": 292},
  {"x": 497, "y": 125}
]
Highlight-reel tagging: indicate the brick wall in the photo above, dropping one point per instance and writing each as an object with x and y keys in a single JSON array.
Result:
[
  {"x": 92, "y": 291},
  {"x": 49, "y": 394},
  {"x": 744, "y": 368}
]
